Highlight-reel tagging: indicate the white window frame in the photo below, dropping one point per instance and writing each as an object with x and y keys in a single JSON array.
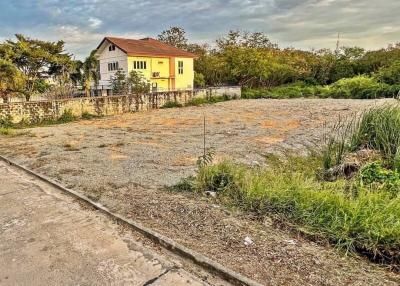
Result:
[
  {"x": 113, "y": 66},
  {"x": 180, "y": 67}
]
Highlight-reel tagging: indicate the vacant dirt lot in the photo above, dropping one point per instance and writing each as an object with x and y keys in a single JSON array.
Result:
[{"x": 124, "y": 161}]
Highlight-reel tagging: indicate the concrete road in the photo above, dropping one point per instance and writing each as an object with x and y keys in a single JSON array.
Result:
[{"x": 48, "y": 238}]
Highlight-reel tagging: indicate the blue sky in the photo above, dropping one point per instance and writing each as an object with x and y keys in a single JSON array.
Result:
[{"x": 299, "y": 23}]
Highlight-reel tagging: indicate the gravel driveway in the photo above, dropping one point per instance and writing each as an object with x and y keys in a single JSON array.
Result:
[{"x": 124, "y": 161}]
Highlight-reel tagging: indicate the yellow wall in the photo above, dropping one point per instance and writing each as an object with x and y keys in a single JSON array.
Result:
[
  {"x": 162, "y": 65},
  {"x": 185, "y": 80}
]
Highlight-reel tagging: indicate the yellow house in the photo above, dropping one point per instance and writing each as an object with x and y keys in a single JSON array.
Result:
[{"x": 164, "y": 66}]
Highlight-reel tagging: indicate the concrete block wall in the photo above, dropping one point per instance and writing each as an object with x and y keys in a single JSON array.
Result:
[{"x": 36, "y": 111}]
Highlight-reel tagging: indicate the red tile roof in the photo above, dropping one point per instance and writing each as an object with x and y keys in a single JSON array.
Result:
[{"x": 147, "y": 47}]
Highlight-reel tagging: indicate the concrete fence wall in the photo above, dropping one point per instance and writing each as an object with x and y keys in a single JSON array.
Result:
[{"x": 36, "y": 111}]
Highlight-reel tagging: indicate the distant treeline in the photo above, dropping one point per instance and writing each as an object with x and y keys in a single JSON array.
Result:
[{"x": 30, "y": 66}]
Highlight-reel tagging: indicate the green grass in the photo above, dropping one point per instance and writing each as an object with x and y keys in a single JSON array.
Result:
[
  {"x": 351, "y": 215},
  {"x": 6, "y": 131},
  {"x": 379, "y": 129}
]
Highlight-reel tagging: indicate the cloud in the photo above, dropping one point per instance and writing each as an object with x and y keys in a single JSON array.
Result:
[
  {"x": 299, "y": 23},
  {"x": 94, "y": 22}
]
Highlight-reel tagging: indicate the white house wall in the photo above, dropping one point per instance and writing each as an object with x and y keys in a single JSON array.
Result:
[{"x": 106, "y": 57}]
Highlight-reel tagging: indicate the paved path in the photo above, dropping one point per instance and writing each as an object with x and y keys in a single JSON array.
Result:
[{"x": 48, "y": 238}]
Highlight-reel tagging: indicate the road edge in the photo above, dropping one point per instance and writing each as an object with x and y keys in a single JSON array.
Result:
[{"x": 199, "y": 259}]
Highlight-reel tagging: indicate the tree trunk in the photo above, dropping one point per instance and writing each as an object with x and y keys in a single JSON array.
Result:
[{"x": 87, "y": 88}]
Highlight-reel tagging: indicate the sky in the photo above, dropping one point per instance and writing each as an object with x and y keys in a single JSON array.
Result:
[{"x": 304, "y": 24}]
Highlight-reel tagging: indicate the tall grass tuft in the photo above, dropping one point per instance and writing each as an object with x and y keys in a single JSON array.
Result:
[{"x": 379, "y": 129}]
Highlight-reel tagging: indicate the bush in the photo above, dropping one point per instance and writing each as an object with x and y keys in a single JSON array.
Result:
[
  {"x": 359, "y": 87},
  {"x": 66, "y": 117},
  {"x": 6, "y": 131},
  {"x": 171, "y": 104},
  {"x": 281, "y": 92},
  {"x": 6, "y": 122}
]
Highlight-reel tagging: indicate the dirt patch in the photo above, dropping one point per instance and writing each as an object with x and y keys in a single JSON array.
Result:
[{"x": 161, "y": 147}]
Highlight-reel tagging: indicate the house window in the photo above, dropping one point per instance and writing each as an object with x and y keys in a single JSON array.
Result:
[
  {"x": 111, "y": 48},
  {"x": 113, "y": 66},
  {"x": 180, "y": 67},
  {"x": 139, "y": 65}
]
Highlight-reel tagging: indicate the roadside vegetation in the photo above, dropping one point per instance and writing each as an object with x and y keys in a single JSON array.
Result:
[
  {"x": 9, "y": 128},
  {"x": 347, "y": 193}
]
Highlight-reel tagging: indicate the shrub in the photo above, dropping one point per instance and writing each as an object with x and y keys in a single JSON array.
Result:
[
  {"x": 66, "y": 117},
  {"x": 6, "y": 131},
  {"x": 6, "y": 122},
  {"x": 171, "y": 104},
  {"x": 361, "y": 87}
]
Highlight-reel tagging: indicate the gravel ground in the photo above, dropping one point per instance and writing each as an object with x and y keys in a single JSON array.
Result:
[{"x": 124, "y": 161}]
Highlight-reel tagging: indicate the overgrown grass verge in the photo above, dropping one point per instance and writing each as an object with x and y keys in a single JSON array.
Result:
[{"x": 359, "y": 215}]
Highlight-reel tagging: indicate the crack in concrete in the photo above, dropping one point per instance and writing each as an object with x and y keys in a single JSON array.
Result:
[{"x": 151, "y": 281}]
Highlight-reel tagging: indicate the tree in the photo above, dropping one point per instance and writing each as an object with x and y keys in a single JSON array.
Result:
[
  {"x": 199, "y": 80},
  {"x": 390, "y": 74},
  {"x": 237, "y": 38},
  {"x": 118, "y": 82},
  {"x": 174, "y": 36},
  {"x": 36, "y": 59},
  {"x": 90, "y": 72},
  {"x": 136, "y": 83},
  {"x": 11, "y": 80}
]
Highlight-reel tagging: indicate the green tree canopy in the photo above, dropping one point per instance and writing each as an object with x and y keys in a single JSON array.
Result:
[
  {"x": 174, "y": 36},
  {"x": 37, "y": 60},
  {"x": 12, "y": 81}
]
